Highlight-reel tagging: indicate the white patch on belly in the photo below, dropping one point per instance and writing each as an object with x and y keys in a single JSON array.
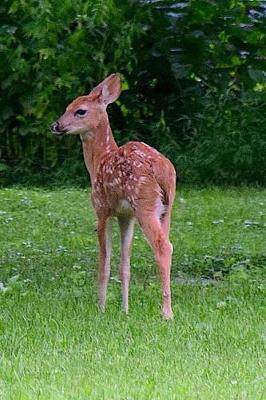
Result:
[{"x": 124, "y": 207}]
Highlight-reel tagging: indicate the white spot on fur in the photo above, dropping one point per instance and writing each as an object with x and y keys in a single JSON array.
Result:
[
  {"x": 142, "y": 179},
  {"x": 133, "y": 200},
  {"x": 111, "y": 184},
  {"x": 140, "y": 153},
  {"x": 107, "y": 135}
]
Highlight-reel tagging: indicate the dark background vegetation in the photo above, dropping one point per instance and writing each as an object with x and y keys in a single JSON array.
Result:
[{"x": 194, "y": 76}]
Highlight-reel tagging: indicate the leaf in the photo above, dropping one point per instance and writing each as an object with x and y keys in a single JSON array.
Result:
[
  {"x": 257, "y": 75},
  {"x": 3, "y": 167},
  {"x": 46, "y": 53}
]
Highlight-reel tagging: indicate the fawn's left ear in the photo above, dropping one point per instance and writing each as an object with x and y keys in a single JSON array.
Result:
[{"x": 108, "y": 90}]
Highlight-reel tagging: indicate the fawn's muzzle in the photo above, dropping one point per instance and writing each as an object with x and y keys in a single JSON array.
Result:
[{"x": 57, "y": 129}]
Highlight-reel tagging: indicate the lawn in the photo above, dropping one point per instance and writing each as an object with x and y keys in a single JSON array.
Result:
[{"x": 55, "y": 344}]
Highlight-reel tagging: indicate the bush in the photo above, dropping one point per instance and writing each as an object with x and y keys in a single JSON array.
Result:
[
  {"x": 194, "y": 83},
  {"x": 50, "y": 52},
  {"x": 228, "y": 143}
]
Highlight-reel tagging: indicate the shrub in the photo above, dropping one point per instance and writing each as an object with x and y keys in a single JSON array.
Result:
[{"x": 194, "y": 83}]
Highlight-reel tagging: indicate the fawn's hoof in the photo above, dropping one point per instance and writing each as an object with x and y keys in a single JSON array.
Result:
[
  {"x": 167, "y": 315},
  {"x": 102, "y": 308}
]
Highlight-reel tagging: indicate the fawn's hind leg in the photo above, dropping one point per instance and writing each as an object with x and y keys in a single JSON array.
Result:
[{"x": 162, "y": 248}]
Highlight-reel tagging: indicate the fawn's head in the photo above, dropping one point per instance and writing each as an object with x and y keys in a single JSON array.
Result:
[{"x": 85, "y": 113}]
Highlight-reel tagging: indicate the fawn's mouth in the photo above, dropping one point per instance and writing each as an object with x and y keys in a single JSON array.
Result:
[{"x": 59, "y": 133}]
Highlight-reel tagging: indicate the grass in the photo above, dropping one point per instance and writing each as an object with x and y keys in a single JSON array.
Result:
[{"x": 54, "y": 343}]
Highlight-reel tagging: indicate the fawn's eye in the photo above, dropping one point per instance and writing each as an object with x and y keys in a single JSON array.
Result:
[{"x": 80, "y": 112}]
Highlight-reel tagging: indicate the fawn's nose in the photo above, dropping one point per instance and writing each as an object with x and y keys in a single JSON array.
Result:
[{"x": 54, "y": 127}]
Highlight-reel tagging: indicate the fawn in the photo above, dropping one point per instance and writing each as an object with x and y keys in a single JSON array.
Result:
[{"x": 131, "y": 182}]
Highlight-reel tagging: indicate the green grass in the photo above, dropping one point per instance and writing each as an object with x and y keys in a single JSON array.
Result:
[{"x": 54, "y": 343}]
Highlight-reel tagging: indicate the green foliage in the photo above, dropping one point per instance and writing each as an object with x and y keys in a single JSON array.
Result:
[
  {"x": 50, "y": 52},
  {"x": 229, "y": 141},
  {"x": 206, "y": 68},
  {"x": 194, "y": 80}
]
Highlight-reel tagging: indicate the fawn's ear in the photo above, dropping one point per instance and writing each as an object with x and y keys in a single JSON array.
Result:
[{"x": 108, "y": 90}]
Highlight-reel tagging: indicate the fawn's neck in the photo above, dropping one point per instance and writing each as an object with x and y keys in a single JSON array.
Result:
[{"x": 96, "y": 144}]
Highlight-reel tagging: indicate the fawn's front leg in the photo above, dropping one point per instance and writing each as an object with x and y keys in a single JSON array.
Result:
[
  {"x": 126, "y": 225},
  {"x": 105, "y": 243}
]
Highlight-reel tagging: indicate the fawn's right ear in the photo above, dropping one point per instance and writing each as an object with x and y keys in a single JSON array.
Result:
[{"x": 108, "y": 90}]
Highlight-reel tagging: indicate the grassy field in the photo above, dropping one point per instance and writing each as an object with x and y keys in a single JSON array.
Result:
[{"x": 54, "y": 343}]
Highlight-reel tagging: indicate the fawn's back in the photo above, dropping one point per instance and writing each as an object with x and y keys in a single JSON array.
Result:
[{"x": 131, "y": 177}]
